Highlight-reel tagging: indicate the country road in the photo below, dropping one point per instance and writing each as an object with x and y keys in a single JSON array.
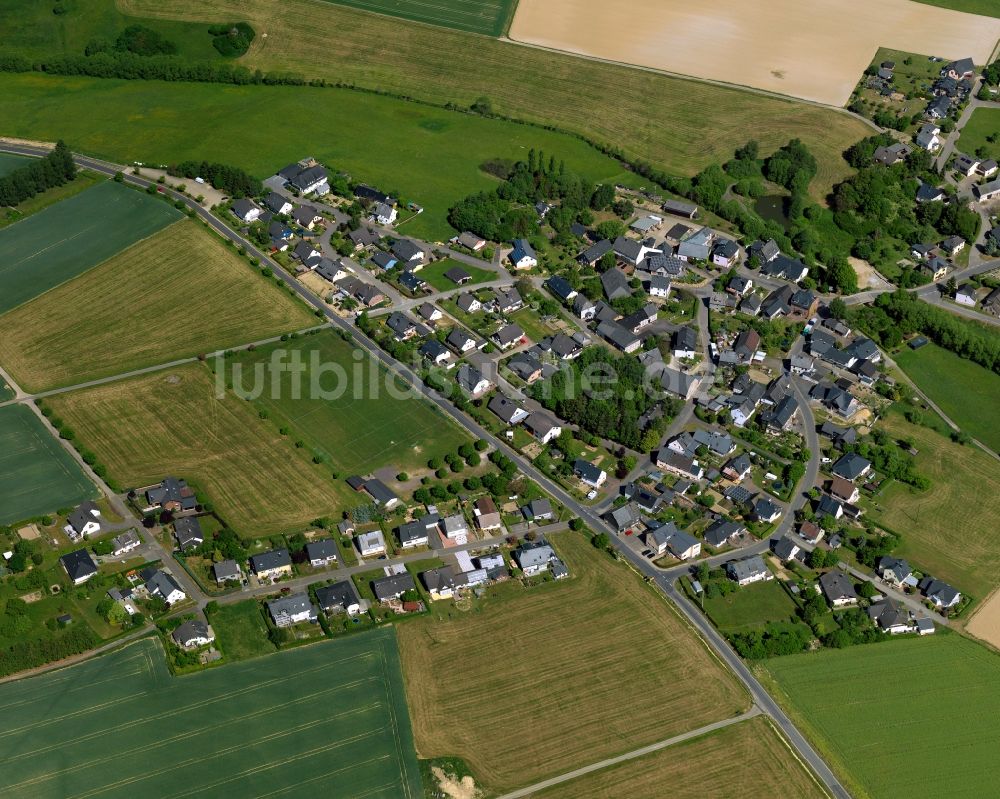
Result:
[{"x": 805, "y": 750}]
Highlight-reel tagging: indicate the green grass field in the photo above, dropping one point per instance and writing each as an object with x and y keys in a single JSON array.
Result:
[
  {"x": 914, "y": 717},
  {"x": 434, "y": 274},
  {"x": 951, "y": 529},
  {"x": 84, "y": 180},
  {"x": 750, "y": 607},
  {"x": 965, "y": 391},
  {"x": 185, "y": 291},
  {"x": 240, "y": 630},
  {"x": 8, "y": 163},
  {"x": 172, "y": 423},
  {"x": 364, "y": 429},
  {"x": 37, "y": 475},
  {"x": 328, "y": 719},
  {"x": 491, "y": 17},
  {"x": 70, "y": 237},
  {"x": 34, "y": 29},
  {"x": 651, "y": 117},
  {"x": 984, "y": 122},
  {"x": 424, "y": 154}
]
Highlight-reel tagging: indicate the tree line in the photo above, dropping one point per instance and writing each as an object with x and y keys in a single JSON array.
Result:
[
  {"x": 40, "y": 174},
  {"x": 231, "y": 179}
]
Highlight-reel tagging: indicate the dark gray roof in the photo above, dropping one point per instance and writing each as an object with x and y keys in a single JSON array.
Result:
[
  {"x": 850, "y": 466},
  {"x": 392, "y": 586},
  {"x": 78, "y": 564},
  {"x": 189, "y": 532},
  {"x": 615, "y": 284},
  {"x": 837, "y": 585},
  {"x": 273, "y": 559},
  {"x": 340, "y": 594},
  {"x": 323, "y": 549}
]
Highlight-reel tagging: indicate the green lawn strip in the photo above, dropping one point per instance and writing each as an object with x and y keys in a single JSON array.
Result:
[
  {"x": 240, "y": 630},
  {"x": 364, "y": 428},
  {"x": 870, "y": 707},
  {"x": 968, "y": 393},
  {"x": 987, "y": 8},
  {"x": 983, "y": 123},
  {"x": 37, "y": 475},
  {"x": 327, "y": 718},
  {"x": 68, "y": 26},
  {"x": 434, "y": 274},
  {"x": 9, "y": 162},
  {"x": 532, "y": 324},
  {"x": 423, "y": 154},
  {"x": 750, "y": 607},
  {"x": 84, "y": 180},
  {"x": 70, "y": 237},
  {"x": 478, "y": 16}
]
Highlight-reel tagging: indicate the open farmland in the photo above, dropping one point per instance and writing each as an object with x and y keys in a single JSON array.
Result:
[
  {"x": 909, "y": 717},
  {"x": 83, "y": 181},
  {"x": 37, "y": 475},
  {"x": 358, "y": 424},
  {"x": 476, "y": 16},
  {"x": 822, "y": 50},
  {"x": 713, "y": 765},
  {"x": 964, "y": 485},
  {"x": 560, "y": 658},
  {"x": 172, "y": 423},
  {"x": 70, "y": 237},
  {"x": 652, "y": 117},
  {"x": 428, "y": 155},
  {"x": 185, "y": 291},
  {"x": 967, "y": 392},
  {"x": 328, "y": 719}
]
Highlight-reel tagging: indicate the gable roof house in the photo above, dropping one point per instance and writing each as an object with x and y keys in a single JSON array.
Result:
[
  {"x": 339, "y": 597},
  {"x": 722, "y": 531},
  {"x": 293, "y": 609},
  {"x": 509, "y": 411},
  {"x": 392, "y": 586},
  {"x": 246, "y": 210},
  {"x": 487, "y": 515},
  {"x": 507, "y": 300},
  {"x": 526, "y": 366},
  {"x": 370, "y": 543},
  {"x": 791, "y": 269},
  {"x": 472, "y": 381},
  {"x": 322, "y": 552},
  {"x": 85, "y": 520},
  {"x": 926, "y": 193},
  {"x": 192, "y": 633},
  {"x": 160, "y": 584},
  {"x": 188, "y": 532},
  {"x": 542, "y": 426},
  {"x": 277, "y": 204},
  {"x": 963, "y": 68},
  {"x": 171, "y": 494},
  {"x": 619, "y": 337},
  {"x": 79, "y": 566},
  {"x": 125, "y": 542},
  {"x": 468, "y": 303},
  {"x": 784, "y": 548},
  {"x": 534, "y": 557},
  {"x": 940, "y": 593},
  {"x": 685, "y": 343},
  {"x": 402, "y": 327},
  {"x": 765, "y": 251},
  {"x": 412, "y": 534},
  {"x": 272, "y": 564},
  {"x": 678, "y": 464},
  {"x": 630, "y": 250},
  {"x": 725, "y": 253},
  {"x": 894, "y": 570},
  {"x": 523, "y": 256},
  {"x": 407, "y": 251},
  {"x": 623, "y": 517},
  {"x": 890, "y": 617},
  {"x": 538, "y": 510},
  {"x": 507, "y": 336},
  {"x": 748, "y": 570},
  {"x": 307, "y": 216},
  {"x": 746, "y": 345},
  {"x": 311, "y": 180},
  {"x": 928, "y": 137},
  {"x": 678, "y": 543},
  {"x": 838, "y": 589},
  {"x": 460, "y": 341},
  {"x": 595, "y": 252},
  {"x": 561, "y": 288},
  {"x": 226, "y": 571},
  {"x": 615, "y": 284},
  {"x": 851, "y": 466},
  {"x": 471, "y": 241},
  {"x": 589, "y": 473},
  {"x": 987, "y": 191}
]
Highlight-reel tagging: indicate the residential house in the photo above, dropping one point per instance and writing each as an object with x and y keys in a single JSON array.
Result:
[
  {"x": 680, "y": 208},
  {"x": 764, "y": 510},
  {"x": 79, "y": 566},
  {"x": 623, "y": 517},
  {"x": 84, "y": 521},
  {"x": 891, "y": 154},
  {"x": 940, "y": 594},
  {"x": 486, "y": 515},
  {"x": 435, "y": 352},
  {"x": 402, "y": 327},
  {"x": 987, "y": 191},
  {"x": 172, "y": 495},
  {"x": 311, "y": 180},
  {"x": 188, "y": 532},
  {"x": 685, "y": 344},
  {"x": 784, "y": 548},
  {"x": 963, "y": 68},
  {"x": 458, "y": 276},
  {"x": 838, "y": 589},
  {"x": 615, "y": 283},
  {"x": 810, "y": 532},
  {"x": 523, "y": 256},
  {"x": 584, "y": 308},
  {"x": 507, "y": 300},
  {"x": 646, "y": 224},
  {"x": 965, "y": 164},
  {"x": 786, "y": 268},
  {"x": 408, "y": 252},
  {"x": 340, "y": 597},
  {"x": 844, "y": 490},
  {"x": 764, "y": 251},
  {"x": 412, "y": 534},
  {"x": 851, "y": 466},
  {"x": 467, "y": 303},
  {"x": 717, "y": 442},
  {"x": 227, "y": 571},
  {"x": 455, "y": 528},
  {"x": 895, "y": 570},
  {"x": 667, "y": 538},
  {"x": 392, "y": 586},
  {"x": 746, "y": 345},
  {"x": 928, "y": 137},
  {"x": 322, "y": 552},
  {"x": 384, "y": 260},
  {"x": 828, "y": 506},
  {"x": 507, "y": 336},
  {"x": 561, "y": 288},
  {"x": 439, "y": 582},
  {"x": 595, "y": 252},
  {"x": 966, "y": 295},
  {"x": 890, "y": 617},
  {"x": 991, "y": 302},
  {"x": 246, "y": 210},
  {"x": 658, "y": 286},
  {"x": 124, "y": 543},
  {"x": 509, "y": 411},
  {"x": 722, "y": 532},
  {"x": 926, "y": 193},
  {"x": 747, "y": 571},
  {"x": 939, "y": 107},
  {"x": 725, "y": 253},
  {"x": 538, "y": 510},
  {"x": 460, "y": 341},
  {"x": 370, "y": 543},
  {"x": 542, "y": 426},
  {"x": 192, "y": 634},
  {"x": 630, "y": 251},
  {"x": 162, "y": 585},
  {"x": 678, "y": 464},
  {"x": 471, "y": 241},
  {"x": 293, "y": 609},
  {"x": 534, "y": 557},
  {"x": 953, "y": 245},
  {"x": 271, "y": 565},
  {"x": 642, "y": 318},
  {"x": 277, "y": 204},
  {"x": 363, "y": 237},
  {"x": 987, "y": 168},
  {"x": 588, "y": 473},
  {"x": 384, "y": 214},
  {"x": 308, "y": 217},
  {"x": 738, "y": 468},
  {"x": 526, "y": 366},
  {"x": 619, "y": 337},
  {"x": 472, "y": 381}
]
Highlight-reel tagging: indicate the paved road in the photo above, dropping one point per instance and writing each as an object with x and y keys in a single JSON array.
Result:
[
  {"x": 805, "y": 750},
  {"x": 753, "y": 712}
]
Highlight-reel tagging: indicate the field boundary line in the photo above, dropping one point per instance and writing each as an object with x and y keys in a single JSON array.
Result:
[
  {"x": 795, "y": 755},
  {"x": 753, "y": 712}
]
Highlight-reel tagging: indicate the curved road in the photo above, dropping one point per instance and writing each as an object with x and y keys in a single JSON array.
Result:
[{"x": 664, "y": 582}]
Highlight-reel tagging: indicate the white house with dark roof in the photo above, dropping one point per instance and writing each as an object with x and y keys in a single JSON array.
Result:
[
  {"x": 84, "y": 521},
  {"x": 293, "y": 609},
  {"x": 542, "y": 426},
  {"x": 747, "y": 571}
]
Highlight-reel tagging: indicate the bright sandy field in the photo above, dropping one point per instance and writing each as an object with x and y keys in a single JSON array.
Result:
[{"x": 812, "y": 49}]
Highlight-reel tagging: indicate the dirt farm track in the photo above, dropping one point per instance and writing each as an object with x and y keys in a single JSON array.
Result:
[{"x": 811, "y": 49}]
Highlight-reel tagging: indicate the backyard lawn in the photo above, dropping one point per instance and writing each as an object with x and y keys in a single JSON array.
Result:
[
  {"x": 434, "y": 274},
  {"x": 750, "y": 607}
]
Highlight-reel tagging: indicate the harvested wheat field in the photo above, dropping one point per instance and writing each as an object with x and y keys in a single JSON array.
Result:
[
  {"x": 713, "y": 765},
  {"x": 985, "y": 623},
  {"x": 571, "y": 672},
  {"x": 650, "y": 116},
  {"x": 814, "y": 50},
  {"x": 172, "y": 423},
  {"x": 185, "y": 293}
]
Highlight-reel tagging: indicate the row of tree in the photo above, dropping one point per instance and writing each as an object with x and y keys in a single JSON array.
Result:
[
  {"x": 231, "y": 179},
  {"x": 36, "y": 176}
]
